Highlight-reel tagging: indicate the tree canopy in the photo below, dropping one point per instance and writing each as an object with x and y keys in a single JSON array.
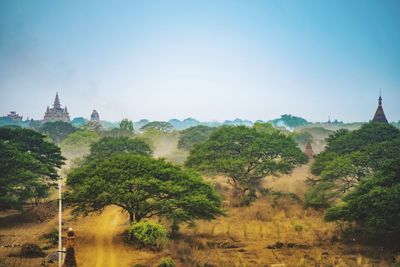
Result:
[
  {"x": 290, "y": 121},
  {"x": 57, "y": 130},
  {"x": 28, "y": 166},
  {"x": 126, "y": 125},
  {"x": 111, "y": 145},
  {"x": 351, "y": 156},
  {"x": 157, "y": 125},
  {"x": 143, "y": 187},
  {"x": 194, "y": 135},
  {"x": 374, "y": 205},
  {"x": 78, "y": 143},
  {"x": 246, "y": 155},
  {"x": 359, "y": 173}
]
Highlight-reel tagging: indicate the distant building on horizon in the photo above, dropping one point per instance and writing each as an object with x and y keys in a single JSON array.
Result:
[
  {"x": 56, "y": 113},
  {"x": 380, "y": 114},
  {"x": 14, "y": 116},
  {"x": 95, "y": 116}
]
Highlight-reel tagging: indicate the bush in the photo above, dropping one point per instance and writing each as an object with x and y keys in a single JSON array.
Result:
[
  {"x": 298, "y": 227},
  {"x": 166, "y": 262},
  {"x": 148, "y": 234},
  {"x": 29, "y": 250},
  {"x": 52, "y": 237}
]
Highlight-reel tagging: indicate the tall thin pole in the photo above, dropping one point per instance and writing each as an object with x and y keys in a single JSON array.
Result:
[{"x": 59, "y": 224}]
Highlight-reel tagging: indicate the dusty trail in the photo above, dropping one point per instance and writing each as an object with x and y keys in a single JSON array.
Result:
[{"x": 99, "y": 243}]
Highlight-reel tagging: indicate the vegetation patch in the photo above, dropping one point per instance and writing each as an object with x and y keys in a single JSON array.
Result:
[
  {"x": 148, "y": 234},
  {"x": 281, "y": 245},
  {"x": 30, "y": 250},
  {"x": 166, "y": 262}
]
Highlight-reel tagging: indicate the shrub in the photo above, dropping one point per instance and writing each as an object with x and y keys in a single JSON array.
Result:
[
  {"x": 298, "y": 227},
  {"x": 52, "y": 237},
  {"x": 166, "y": 262},
  {"x": 29, "y": 250},
  {"x": 148, "y": 234}
]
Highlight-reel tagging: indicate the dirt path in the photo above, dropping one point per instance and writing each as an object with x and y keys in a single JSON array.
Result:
[{"x": 99, "y": 243}]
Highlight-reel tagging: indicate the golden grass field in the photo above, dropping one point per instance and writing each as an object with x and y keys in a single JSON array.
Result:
[{"x": 238, "y": 239}]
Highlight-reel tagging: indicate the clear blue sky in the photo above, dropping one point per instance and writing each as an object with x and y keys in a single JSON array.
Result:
[{"x": 211, "y": 60}]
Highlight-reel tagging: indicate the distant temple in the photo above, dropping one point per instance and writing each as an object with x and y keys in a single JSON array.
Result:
[
  {"x": 380, "y": 114},
  {"x": 56, "y": 113},
  {"x": 14, "y": 116},
  {"x": 309, "y": 150},
  {"x": 95, "y": 116}
]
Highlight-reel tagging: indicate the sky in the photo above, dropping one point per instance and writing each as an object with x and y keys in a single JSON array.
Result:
[{"x": 210, "y": 60}]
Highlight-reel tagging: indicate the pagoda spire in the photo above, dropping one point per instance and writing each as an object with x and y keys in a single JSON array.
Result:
[
  {"x": 380, "y": 114},
  {"x": 57, "y": 102}
]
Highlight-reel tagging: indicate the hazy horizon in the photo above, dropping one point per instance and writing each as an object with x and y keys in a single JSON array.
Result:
[{"x": 209, "y": 60}]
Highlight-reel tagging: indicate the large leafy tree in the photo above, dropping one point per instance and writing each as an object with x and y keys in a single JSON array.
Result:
[
  {"x": 143, "y": 187},
  {"x": 374, "y": 205},
  {"x": 348, "y": 158},
  {"x": 112, "y": 145},
  {"x": 28, "y": 167},
  {"x": 247, "y": 155},
  {"x": 57, "y": 130},
  {"x": 194, "y": 135}
]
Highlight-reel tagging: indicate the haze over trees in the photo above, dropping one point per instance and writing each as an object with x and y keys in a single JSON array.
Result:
[
  {"x": 161, "y": 126},
  {"x": 194, "y": 135},
  {"x": 77, "y": 144},
  {"x": 289, "y": 121},
  {"x": 57, "y": 130},
  {"x": 28, "y": 167},
  {"x": 108, "y": 146},
  {"x": 247, "y": 155}
]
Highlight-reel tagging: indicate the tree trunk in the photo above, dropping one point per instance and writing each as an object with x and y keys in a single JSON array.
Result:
[{"x": 132, "y": 218}]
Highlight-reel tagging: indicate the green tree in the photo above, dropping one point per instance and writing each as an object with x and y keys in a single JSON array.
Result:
[
  {"x": 143, "y": 187},
  {"x": 28, "y": 167},
  {"x": 157, "y": 125},
  {"x": 246, "y": 155},
  {"x": 57, "y": 130},
  {"x": 350, "y": 157},
  {"x": 374, "y": 205},
  {"x": 290, "y": 121},
  {"x": 302, "y": 137},
  {"x": 194, "y": 135},
  {"x": 126, "y": 125},
  {"x": 108, "y": 146},
  {"x": 79, "y": 121}
]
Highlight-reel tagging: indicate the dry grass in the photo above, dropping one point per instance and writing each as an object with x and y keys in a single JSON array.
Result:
[{"x": 300, "y": 237}]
